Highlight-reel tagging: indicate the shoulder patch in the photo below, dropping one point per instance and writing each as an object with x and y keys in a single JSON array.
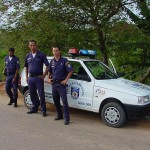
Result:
[{"x": 68, "y": 64}]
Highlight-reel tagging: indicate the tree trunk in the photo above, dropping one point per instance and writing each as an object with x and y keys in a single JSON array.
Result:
[
  {"x": 102, "y": 41},
  {"x": 146, "y": 75}
]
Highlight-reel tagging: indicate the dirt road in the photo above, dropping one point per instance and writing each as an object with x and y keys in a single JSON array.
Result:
[{"x": 21, "y": 131}]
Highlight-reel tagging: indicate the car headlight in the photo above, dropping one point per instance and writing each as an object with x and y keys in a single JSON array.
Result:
[{"x": 143, "y": 99}]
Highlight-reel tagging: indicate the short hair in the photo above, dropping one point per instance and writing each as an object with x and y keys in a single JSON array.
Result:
[
  {"x": 56, "y": 47},
  {"x": 11, "y": 49},
  {"x": 32, "y": 41}
]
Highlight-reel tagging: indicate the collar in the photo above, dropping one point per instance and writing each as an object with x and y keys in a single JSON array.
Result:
[
  {"x": 58, "y": 59},
  {"x": 35, "y": 53}
]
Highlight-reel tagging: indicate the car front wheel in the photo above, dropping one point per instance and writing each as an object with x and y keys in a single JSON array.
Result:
[
  {"x": 27, "y": 100},
  {"x": 113, "y": 115}
]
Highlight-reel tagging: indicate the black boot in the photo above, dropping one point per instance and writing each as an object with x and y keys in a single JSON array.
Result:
[{"x": 11, "y": 101}]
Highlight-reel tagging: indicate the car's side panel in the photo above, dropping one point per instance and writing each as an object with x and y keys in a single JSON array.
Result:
[{"x": 80, "y": 94}]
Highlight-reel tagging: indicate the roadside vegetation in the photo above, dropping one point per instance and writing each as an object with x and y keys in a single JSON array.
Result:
[{"x": 118, "y": 29}]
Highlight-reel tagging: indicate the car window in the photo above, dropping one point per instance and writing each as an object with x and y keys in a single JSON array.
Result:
[
  {"x": 99, "y": 70},
  {"x": 79, "y": 72},
  {"x": 75, "y": 66}
]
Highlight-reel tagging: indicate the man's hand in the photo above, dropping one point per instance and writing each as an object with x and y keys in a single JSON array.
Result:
[
  {"x": 42, "y": 77},
  {"x": 64, "y": 82},
  {"x": 50, "y": 81}
]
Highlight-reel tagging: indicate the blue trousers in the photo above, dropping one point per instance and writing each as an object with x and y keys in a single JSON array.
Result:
[
  {"x": 11, "y": 88},
  {"x": 59, "y": 90},
  {"x": 36, "y": 88}
]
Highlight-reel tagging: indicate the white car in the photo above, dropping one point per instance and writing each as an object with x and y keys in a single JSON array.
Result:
[{"x": 95, "y": 87}]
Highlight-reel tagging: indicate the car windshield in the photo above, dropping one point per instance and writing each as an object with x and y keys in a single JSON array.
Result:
[{"x": 99, "y": 70}]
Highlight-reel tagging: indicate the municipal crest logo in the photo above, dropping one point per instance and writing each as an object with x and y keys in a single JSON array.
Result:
[{"x": 74, "y": 92}]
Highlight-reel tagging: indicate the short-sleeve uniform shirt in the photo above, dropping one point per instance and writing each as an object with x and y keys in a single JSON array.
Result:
[
  {"x": 12, "y": 65},
  {"x": 59, "y": 69},
  {"x": 35, "y": 65}
]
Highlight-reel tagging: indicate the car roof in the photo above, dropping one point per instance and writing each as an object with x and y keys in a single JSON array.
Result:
[{"x": 74, "y": 59}]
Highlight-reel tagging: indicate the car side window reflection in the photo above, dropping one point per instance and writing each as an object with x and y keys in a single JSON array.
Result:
[
  {"x": 75, "y": 65},
  {"x": 79, "y": 72}
]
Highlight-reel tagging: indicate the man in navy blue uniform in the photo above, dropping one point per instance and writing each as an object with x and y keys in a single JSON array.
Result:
[
  {"x": 60, "y": 71},
  {"x": 12, "y": 66},
  {"x": 35, "y": 77}
]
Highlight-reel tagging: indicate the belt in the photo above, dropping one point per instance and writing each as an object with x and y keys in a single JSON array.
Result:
[
  {"x": 34, "y": 75},
  {"x": 10, "y": 73},
  {"x": 57, "y": 81}
]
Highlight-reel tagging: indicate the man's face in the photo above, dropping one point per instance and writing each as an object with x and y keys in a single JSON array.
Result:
[
  {"x": 56, "y": 51},
  {"x": 11, "y": 53},
  {"x": 32, "y": 46}
]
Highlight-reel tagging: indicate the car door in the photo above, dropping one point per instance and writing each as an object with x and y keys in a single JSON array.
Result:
[
  {"x": 80, "y": 87},
  {"x": 47, "y": 88}
]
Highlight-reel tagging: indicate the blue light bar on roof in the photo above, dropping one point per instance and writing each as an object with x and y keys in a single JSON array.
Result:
[
  {"x": 83, "y": 52},
  {"x": 92, "y": 52}
]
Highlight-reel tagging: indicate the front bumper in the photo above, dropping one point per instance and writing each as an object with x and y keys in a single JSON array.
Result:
[{"x": 136, "y": 111}]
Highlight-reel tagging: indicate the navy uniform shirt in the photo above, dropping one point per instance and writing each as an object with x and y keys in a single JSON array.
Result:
[
  {"x": 59, "y": 69},
  {"x": 13, "y": 65},
  {"x": 35, "y": 65}
]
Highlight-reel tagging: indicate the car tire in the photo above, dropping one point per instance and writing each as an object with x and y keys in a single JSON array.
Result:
[
  {"x": 113, "y": 115},
  {"x": 27, "y": 99}
]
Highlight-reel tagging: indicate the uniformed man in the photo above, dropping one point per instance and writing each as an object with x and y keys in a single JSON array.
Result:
[
  {"x": 59, "y": 72},
  {"x": 35, "y": 77},
  {"x": 12, "y": 66}
]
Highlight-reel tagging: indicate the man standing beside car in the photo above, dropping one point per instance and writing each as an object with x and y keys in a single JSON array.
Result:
[
  {"x": 12, "y": 66},
  {"x": 35, "y": 77},
  {"x": 60, "y": 71}
]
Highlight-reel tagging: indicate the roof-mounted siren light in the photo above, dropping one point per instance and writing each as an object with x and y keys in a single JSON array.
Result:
[
  {"x": 73, "y": 52},
  {"x": 83, "y": 52},
  {"x": 92, "y": 54}
]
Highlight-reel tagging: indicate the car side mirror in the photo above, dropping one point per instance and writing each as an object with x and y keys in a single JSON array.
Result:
[{"x": 120, "y": 74}]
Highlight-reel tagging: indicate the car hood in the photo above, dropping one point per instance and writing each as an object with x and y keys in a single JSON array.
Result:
[{"x": 124, "y": 86}]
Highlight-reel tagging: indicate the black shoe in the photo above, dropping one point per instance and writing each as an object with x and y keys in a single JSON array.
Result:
[
  {"x": 58, "y": 118},
  {"x": 66, "y": 122},
  {"x": 44, "y": 114},
  {"x": 10, "y": 102},
  {"x": 15, "y": 104},
  {"x": 31, "y": 112}
]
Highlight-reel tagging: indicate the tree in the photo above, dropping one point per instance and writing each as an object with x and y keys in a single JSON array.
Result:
[
  {"x": 129, "y": 49},
  {"x": 87, "y": 14},
  {"x": 142, "y": 21},
  {"x": 95, "y": 15}
]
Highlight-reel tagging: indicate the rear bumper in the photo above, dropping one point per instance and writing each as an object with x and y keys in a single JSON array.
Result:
[
  {"x": 22, "y": 89},
  {"x": 136, "y": 111}
]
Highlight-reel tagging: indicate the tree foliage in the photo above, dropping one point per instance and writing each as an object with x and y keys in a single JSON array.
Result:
[
  {"x": 89, "y": 24},
  {"x": 142, "y": 20},
  {"x": 129, "y": 48},
  {"x": 78, "y": 14}
]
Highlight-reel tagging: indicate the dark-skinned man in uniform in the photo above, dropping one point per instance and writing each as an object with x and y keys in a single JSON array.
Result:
[
  {"x": 35, "y": 77},
  {"x": 59, "y": 73},
  {"x": 12, "y": 66}
]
